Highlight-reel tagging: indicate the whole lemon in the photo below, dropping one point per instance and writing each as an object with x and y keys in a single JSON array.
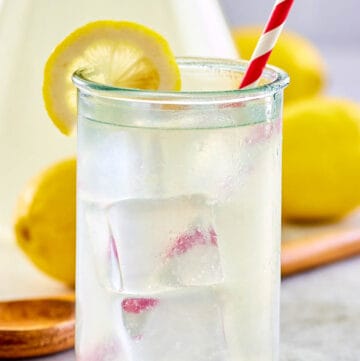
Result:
[
  {"x": 321, "y": 159},
  {"x": 293, "y": 53},
  {"x": 45, "y": 221}
]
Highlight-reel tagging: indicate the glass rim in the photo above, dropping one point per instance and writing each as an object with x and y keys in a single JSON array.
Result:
[{"x": 280, "y": 80}]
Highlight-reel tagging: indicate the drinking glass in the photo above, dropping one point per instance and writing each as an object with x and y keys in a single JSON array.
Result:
[{"x": 178, "y": 223}]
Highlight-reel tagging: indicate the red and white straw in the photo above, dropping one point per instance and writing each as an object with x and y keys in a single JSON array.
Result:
[{"x": 266, "y": 43}]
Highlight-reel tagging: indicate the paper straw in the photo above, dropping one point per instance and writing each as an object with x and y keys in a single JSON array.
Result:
[{"x": 266, "y": 43}]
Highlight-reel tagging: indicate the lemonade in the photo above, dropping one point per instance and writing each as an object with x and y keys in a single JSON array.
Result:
[{"x": 178, "y": 230}]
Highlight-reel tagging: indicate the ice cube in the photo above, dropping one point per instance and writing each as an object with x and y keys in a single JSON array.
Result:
[
  {"x": 180, "y": 325},
  {"x": 105, "y": 254},
  {"x": 192, "y": 260},
  {"x": 135, "y": 312},
  {"x": 157, "y": 236}
]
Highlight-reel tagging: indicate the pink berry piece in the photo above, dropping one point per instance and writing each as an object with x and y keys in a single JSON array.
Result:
[
  {"x": 135, "y": 315},
  {"x": 138, "y": 305},
  {"x": 192, "y": 238},
  {"x": 113, "y": 252},
  {"x": 193, "y": 259}
]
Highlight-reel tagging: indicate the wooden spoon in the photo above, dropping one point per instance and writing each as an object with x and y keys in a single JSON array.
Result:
[{"x": 36, "y": 327}]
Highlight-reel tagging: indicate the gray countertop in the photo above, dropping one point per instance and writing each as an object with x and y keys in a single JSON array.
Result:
[
  {"x": 320, "y": 310},
  {"x": 320, "y": 314}
]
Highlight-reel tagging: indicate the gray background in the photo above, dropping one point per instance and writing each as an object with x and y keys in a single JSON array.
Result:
[
  {"x": 333, "y": 26},
  {"x": 326, "y": 22}
]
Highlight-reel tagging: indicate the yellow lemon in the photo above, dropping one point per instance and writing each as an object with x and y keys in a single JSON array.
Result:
[
  {"x": 117, "y": 53},
  {"x": 45, "y": 221},
  {"x": 321, "y": 159},
  {"x": 296, "y": 55}
]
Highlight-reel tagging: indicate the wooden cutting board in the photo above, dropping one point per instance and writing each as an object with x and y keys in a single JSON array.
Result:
[
  {"x": 305, "y": 253},
  {"x": 306, "y": 246}
]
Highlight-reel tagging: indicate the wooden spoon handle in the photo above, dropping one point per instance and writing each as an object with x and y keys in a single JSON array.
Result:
[{"x": 313, "y": 251}]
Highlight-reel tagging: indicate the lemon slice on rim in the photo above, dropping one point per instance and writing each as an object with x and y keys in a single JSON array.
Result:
[{"x": 117, "y": 53}]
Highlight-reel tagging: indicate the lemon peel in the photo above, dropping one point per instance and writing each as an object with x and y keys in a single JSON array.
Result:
[{"x": 119, "y": 53}]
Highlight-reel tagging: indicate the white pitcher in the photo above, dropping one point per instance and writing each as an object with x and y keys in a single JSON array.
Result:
[{"x": 29, "y": 31}]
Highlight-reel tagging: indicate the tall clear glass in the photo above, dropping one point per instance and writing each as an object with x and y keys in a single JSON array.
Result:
[{"x": 178, "y": 223}]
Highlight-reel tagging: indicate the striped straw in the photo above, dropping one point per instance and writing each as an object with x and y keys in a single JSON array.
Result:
[{"x": 266, "y": 43}]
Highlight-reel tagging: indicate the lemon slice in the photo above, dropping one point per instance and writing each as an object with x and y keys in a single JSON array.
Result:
[{"x": 117, "y": 53}]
